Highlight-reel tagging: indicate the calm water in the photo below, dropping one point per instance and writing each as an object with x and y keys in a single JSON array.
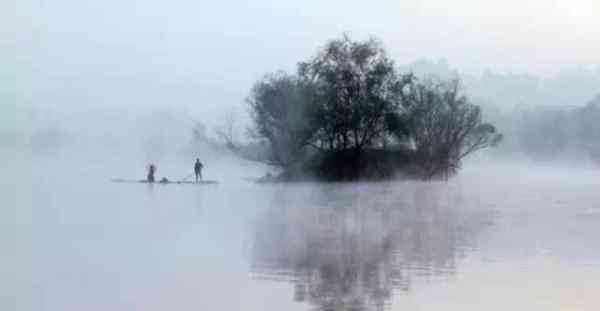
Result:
[{"x": 495, "y": 238}]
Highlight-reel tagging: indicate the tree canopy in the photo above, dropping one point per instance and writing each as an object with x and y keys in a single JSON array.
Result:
[
  {"x": 355, "y": 87},
  {"x": 444, "y": 126},
  {"x": 278, "y": 105},
  {"x": 349, "y": 109}
]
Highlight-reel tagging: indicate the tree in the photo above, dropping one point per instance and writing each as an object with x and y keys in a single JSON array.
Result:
[
  {"x": 444, "y": 126},
  {"x": 278, "y": 106},
  {"x": 544, "y": 131},
  {"x": 199, "y": 132},
  {"x": 356, "y": 87},
  {"x": 226, "y": 132},
  {"x": 588, "y": 129},
  {"x": 348, "y": 103}
]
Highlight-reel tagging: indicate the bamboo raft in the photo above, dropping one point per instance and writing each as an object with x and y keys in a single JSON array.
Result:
[{"x": 163, "y": 182}]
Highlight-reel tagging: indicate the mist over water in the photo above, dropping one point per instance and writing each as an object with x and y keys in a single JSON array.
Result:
[
  {"x": 506, "y": 226},
  {"x": 497, "y": 230},
  {"x": 95, "y": 91}
]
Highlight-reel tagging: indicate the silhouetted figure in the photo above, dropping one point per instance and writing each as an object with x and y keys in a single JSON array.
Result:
[
  {"x": 151, "y": 171},
  {"x": 198, "y": 169}
]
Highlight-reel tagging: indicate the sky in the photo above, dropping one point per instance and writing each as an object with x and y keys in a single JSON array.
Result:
[{"x": 202, "y": 56}]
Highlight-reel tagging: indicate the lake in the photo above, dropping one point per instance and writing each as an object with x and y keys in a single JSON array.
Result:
[{"x": 496, "y": 237}]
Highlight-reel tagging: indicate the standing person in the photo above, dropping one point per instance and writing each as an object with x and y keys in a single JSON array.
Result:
[
  {"x": 198, "y": 169},
  {"x": 151, "y": 171}
]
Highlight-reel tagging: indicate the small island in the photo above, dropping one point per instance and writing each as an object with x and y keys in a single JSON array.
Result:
[{"x": 348, "y": 113}]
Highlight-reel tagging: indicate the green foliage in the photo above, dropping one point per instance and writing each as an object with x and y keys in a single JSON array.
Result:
[
  {"x": 348, "y": 114},
  {"x": 544, "y": 132},
  {"x": 549, "y": 133},
  {"x": 356, "y": 87},
  {"x": 444, "y": 126},
  {"x": 278, "y": 105},
  {"x": 588, "y": 128}
]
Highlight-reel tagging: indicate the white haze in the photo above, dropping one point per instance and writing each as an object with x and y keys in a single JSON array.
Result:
[
  {"x": 116, "y": 84},
  {"x": 69, "y": 60}
]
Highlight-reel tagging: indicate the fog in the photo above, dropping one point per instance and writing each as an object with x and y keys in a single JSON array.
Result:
[
  {"x": 201, "y": 57},
  {"x": 95, "y": 91},
  {"x": 105, "y": 66},
  {"x": 491, "y": 232}
]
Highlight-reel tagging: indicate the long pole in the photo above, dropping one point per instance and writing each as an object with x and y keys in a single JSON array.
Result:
[{"x": 188, "y": 176}]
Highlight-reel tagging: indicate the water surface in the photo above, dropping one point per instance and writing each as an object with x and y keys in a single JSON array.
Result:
[{"x": 494, "y": 238}]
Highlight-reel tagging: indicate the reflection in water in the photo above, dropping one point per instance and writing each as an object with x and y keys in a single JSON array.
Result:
[{"x": 351, "y": 248}]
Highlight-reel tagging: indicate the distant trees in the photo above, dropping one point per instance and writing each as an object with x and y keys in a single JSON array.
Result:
[
  {"x": 551, "y": 133},
  {"x": 589, "y": 121},
  {"x": 588, "y": 130},
  {"x": 348, "y": 108},
  {"x": 227, "y": 131},
  {"x": 544, "y": 133},
  {"x": 199, "y": 134}
]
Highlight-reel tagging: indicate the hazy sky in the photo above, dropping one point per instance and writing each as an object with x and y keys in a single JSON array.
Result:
[{"x": 206, "y": 54}]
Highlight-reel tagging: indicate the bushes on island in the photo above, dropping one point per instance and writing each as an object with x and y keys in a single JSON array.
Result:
[{"x": 348, "y": 113}]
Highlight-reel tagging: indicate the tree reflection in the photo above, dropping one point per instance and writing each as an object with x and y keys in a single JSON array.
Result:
[{"x": 351, "y": 249}]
